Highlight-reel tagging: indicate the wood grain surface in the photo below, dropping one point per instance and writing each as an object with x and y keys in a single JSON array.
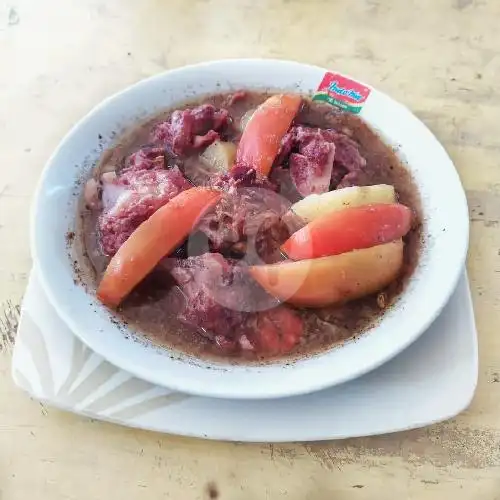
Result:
[{"x": 59, "y": 58}]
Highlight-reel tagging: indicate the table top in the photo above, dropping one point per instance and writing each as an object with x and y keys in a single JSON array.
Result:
[{"x": 59, "y": 59}]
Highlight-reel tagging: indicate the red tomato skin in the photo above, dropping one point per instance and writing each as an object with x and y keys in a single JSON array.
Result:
[
  {"x": 155, "y": 238},
  {"x": 262, "y": 136},
  {"x": 350, "y": 229}
]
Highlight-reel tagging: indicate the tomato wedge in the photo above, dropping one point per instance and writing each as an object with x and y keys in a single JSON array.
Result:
[
  {"x": 262, "y": 136},
  {"x": 151, "y": 241},
  {"x": 350, "y": 229},
  {"x": 332, "y": 280}
]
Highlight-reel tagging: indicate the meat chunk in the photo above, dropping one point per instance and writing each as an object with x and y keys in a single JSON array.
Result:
[
  {"x": 248, "y": 222},
  {"x": 286, "y": 187},
  {"x": 197, "y": 277},
  {"x": 348, "y": 157},
  {"x": 242, "y": 177},
  {"x": 133, "y": 196},
  {"x": 310, "y": 155},
  {"x": 190, "y": 129},
  {"x": 202, "y": 141},
  {"x": 320, "y": 159},
  {"x": 238, "y": 96},
  {"x": 146, "y": 158},
  {"x": 227, "y": 281},
  {"x": 276, "y": 331},
  {"x": 228, "y": 307},
  {"x": 311, "y": 168}
]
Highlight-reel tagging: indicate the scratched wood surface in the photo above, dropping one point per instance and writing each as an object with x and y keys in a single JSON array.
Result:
[{"x": 60, "y": 58}]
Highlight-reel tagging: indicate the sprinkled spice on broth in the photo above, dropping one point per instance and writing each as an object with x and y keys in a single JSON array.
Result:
[{"x": 208, "y": 295}]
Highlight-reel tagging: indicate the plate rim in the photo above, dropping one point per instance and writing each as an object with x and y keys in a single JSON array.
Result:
[{"x": 453, "y": 410}]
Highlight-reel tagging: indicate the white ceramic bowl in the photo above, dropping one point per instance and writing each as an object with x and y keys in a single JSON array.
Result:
[{"x": 446, "y": 233}]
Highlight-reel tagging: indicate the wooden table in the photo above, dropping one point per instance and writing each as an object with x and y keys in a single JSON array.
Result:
[{"x": 60, "y": 58}]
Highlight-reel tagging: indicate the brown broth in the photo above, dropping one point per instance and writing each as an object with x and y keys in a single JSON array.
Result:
[{"x": 150, "y": 308}]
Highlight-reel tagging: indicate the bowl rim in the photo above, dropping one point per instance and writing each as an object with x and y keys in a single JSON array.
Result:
[{"x": 259, "y": 392}]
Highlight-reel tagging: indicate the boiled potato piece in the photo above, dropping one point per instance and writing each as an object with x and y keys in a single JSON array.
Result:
[
  {"x": 332, "y": 280},
  {"x": 219, "y": 156},
  {"x": 316, "y": 205}
]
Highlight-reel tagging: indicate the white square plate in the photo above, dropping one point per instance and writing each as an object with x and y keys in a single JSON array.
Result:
[{"x": 431, "y": 381}]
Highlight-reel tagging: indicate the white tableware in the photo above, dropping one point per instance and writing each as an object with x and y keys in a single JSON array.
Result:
[
  {"x": 443, "y": 256},
  {"x": 432, "y": 380}
]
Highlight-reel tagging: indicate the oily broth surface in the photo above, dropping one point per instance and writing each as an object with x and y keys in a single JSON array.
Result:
[{"x": 150, "y": 310}]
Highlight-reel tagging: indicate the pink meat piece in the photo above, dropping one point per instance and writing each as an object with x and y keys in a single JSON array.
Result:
[
  {"x": 311, "y": 168},
  {"x": 286, "y": 187},
  {"x": 112, "y": 189},
  {"x": 223, "y": 302},
  {"x": 131, "y": 198},
  {"x": 248, "y": 221},
  {"x": 190, "y": 129},
  {"x": 241, "y": 176},
  {"x": 320, "y": 159},
  {"x": 227, "y": 281},
  {"x": 232, "y": 99},
  {"x": 349, "y": 158},
  {"x": 287, "y": 144},
  {"x": 197, "y": 277},
  {"x": 202, "y": 141},
  {"x": 347, "y": 155},
  {"x": 311, "y": 162},
  {"x": 146, "y": 159}
]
